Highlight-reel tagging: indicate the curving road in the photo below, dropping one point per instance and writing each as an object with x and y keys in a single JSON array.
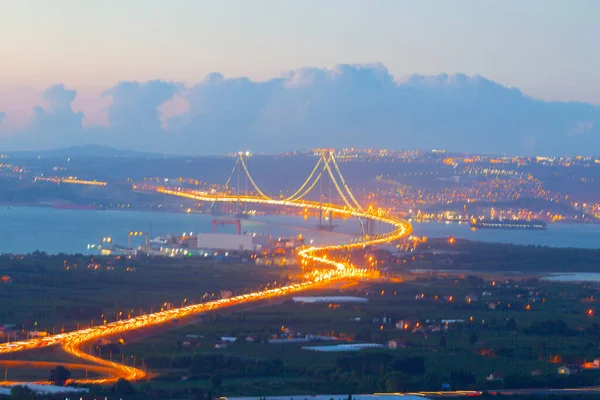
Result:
[{"x": 72, "y": 342}]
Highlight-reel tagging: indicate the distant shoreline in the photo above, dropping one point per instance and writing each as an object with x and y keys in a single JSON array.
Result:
[{"x": 167, "y": 210}]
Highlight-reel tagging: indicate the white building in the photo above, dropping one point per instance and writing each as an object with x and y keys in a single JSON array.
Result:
[
  {"x": 225, "y": 241},
  {"x": 330, "y": 299},
  {"x": 344, "y": 347}
]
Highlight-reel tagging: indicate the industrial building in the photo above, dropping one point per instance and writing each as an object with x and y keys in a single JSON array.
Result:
[{"x": 224, "y": 241}]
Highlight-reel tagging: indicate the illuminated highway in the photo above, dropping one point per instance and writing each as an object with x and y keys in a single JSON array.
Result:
[{"x": 334, "y": 270}]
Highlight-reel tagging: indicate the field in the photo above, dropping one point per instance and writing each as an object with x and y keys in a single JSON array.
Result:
[
  {"x": 500, "y": 330},
  {"x": 534, "y": 328},
  {"x": 48, "y": 293}
]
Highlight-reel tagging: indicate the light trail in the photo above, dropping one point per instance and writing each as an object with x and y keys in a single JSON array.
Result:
[
  {"x": 72, "y": 342},
  {"x": 71, "y": 180}
]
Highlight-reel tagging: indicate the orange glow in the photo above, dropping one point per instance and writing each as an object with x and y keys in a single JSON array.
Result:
[{"x": 331, "y": 271}]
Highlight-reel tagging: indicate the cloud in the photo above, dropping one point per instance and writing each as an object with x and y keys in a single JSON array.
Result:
[
  {"x": 349, "y": 105},
  {"x": 222, "y": 113},
  {"x": 58, "y": 116},
  {"x": 135, "y": 105},
  {"x": 134, "y": 119},
  {"x": 55, "y": 125}
]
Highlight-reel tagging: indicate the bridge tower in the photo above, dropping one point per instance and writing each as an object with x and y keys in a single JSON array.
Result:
[
  {"x": 370, "y": 227},
  {"x": 239, "y": 212},
  {"x": 215, "y": 209},
  {"x": 329, "y": 225}
]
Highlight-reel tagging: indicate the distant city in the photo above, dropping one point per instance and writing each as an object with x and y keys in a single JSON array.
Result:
[{"x": 422, "y": 185}]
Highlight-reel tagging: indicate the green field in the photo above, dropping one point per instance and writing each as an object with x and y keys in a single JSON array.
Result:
[
  {"x": 510, "y": 341},
  {"x": 523, "y": 326},
  {"x": 51, "y": 292}
]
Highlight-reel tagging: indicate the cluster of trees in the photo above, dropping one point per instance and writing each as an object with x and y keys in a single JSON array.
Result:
[
  {"x": 502, "y": 257},
  {"x": 202, "y": 366},
  {"x": 550, "y": 327}
]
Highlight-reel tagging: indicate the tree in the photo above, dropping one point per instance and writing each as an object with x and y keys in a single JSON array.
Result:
[
  {"x": 216, "y": 381},
  {"x": 540, "y": 349},
  {"x": 511, "y": 324},
  {"x": 21, "y": 393},
  {"x": 394, "y": 382},
  {"x": 124, "y": 387},
  {"x": 473, "y": 338},
  {"x": 461, "y": 379},
  {"x": 410, "y": 365},
  {"x": 59, "y": 375}
]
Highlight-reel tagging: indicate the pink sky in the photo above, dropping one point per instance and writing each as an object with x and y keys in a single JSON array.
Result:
[{"x": 18, "y": 101}]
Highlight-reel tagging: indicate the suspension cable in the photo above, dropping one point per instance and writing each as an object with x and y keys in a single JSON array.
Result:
[
  {"x": 340, "y": 191},
  {"x": 241, "y": 158},
  {"x": 344, "y": 182},
  {"x": 295, "y": 195},
  {"x": 312, "y": 185},
  {"x": 226, "y": 183}
]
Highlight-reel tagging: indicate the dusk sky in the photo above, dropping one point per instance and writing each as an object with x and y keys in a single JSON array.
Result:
[{"x": 546, "y": 48}]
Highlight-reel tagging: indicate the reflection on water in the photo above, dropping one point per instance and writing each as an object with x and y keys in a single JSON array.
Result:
[{"x": 574, "y": 277}]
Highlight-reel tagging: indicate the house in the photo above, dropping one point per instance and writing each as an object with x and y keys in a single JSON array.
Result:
[
  {"x": 403, "y": 324},
  {"x": 566, "y": 370},
  {"x": 191, "y": 339},
  {"x": 6, "y": 279},
  {"x": 536, "y": 372},
  {"x": 486, "y": 351},
  {"x": 228, "y": 339},
  {"x": 396, "y": 344},
  {"x": 249, "y": 339},
  {"x": 592, "y": 365},
  {"x": 452, "y": 321},
  {"x": 470, "y": 298},
  {"x": 221, "y": 345},
  {"x": 491, "y": 305},
  {"x": 493, "y": 377}
]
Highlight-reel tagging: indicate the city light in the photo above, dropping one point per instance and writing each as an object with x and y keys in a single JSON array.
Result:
[{"x": 335, "y": 270}]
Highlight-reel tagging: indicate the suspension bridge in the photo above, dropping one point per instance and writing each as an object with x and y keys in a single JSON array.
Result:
[{"x": 327, "y": 269}]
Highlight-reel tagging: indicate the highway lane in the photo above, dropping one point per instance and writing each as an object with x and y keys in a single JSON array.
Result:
[{"x": 71, "y": 342}]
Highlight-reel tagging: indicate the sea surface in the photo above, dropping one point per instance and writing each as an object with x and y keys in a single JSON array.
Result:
[
  {"x": 574, "y": 277},
  {"x": 556, "y": 235},
  {"x": 27, "y": 229}
]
